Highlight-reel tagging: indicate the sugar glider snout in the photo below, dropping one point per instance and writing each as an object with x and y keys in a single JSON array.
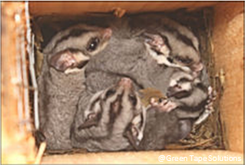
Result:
[
  {"x": 180, "y": 85},
  {"x": 126, "y": 83},
  {"x": 68, "y": 59}
]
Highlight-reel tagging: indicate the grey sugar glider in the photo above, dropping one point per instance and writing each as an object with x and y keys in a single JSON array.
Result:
[
  {"x": 113, "y": 120},
  {"x": 168, "y": 41},
  {"x": 170, "y": 120},
  {"x": 58, "y": 91},
  {"x": 186, "y": 93},
  {"x": 129, "y": 57},
  {"x": 162, "y": 128},
  {"x": 158, "y": 77}
]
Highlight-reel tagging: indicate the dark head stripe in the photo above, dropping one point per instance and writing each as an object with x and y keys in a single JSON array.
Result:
[
  {"x": 112, "y": 114},
  {"x": 73, "y": 33},
  {"x": 180, "y": 36}
]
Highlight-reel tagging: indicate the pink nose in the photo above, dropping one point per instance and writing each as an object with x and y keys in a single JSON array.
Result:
[
  {"x": 107, "y": 33},
  {"x": 125, "y": 82}
]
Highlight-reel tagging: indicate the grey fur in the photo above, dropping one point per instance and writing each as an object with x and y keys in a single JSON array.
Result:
[
  {"x": 182, "y": 42},
  {"x": 162, "y": 128},
  {"x": 124, "y": 56},
  {"x": 129, "y": 57},
  {"x": 106, "y": 136},
  {"x": 167, "y": 127},
  {"x": 58, "y": 96},
  {"x": 191, "y": 104},
  {"x": 59, "y": 92}
]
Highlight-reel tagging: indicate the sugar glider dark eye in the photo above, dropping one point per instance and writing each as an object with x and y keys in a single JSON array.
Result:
[
  {"x": 170, "y": 59},
  {"x": 93, "y": 44},
  {"x": 160, "y": 100},
  {"x": 133, "y": 100},
  {"x": 184, "y": 60},
  {"x": 177, "y": 86},
  {"x": 184, "y": 80},
  {"x": 110, "y": 92},
  {"x": 188, "y": 60}
]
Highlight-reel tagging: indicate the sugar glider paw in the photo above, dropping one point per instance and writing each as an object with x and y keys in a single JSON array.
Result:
[
  {"x": 164, "y": 105},
  {"x": 209, "y": 107},
  {"x": 155, "y": 41}
]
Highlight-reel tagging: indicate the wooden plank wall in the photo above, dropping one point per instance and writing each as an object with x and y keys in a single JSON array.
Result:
[
  {"x": 18, "y": 146},
  {"x": 228, "y": 42},
  {"x": 17, "y": 143},
  {"x": 75, "y": 8}
]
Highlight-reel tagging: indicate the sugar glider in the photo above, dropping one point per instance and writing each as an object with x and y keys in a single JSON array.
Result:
[
  {"x": 113, "y": 120},
  {"x": 59, "y": 92},
  {"x": 169, "y": 42},
  {"x": 160, "y": 50},
  {"x": 162, "y": 128},
  {"x": 73, "y": 47},
  {"x": 187, "y": 93},
  {"x": 171, "y": 119},
  {"x": 129, "y": 56},
  {"x": 187, "y": 96},
  {"x": 123, "y": 57}
]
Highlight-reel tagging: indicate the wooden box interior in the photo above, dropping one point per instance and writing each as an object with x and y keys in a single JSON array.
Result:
[{"x": 228, "y": 49}]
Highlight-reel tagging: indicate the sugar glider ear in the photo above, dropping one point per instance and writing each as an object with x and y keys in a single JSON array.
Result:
[
  {"x": 93, "y": 113},
  {"x": 131, "y": 133},
  {"x": 91, "y": 120}
]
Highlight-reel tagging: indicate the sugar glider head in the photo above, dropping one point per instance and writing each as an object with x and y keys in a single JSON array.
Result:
[
  {"x": 117, "y": 111},
  {"x": 73, "y": 47},
  {"x": 181, "y": 84},
  {"x": 182, "y": 56},
  {"x": 118, "y": 101},
  {"x": 185, "y": 51}
]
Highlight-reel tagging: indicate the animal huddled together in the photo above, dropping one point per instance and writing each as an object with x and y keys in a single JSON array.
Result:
[{"x": 93, "y": 76}]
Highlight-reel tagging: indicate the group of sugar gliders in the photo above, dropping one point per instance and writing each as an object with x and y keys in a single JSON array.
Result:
[{"x": 92, "y": 75}]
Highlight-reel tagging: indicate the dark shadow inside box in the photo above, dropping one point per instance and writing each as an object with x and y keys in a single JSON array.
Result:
[{"x": 208, "y": 134}]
